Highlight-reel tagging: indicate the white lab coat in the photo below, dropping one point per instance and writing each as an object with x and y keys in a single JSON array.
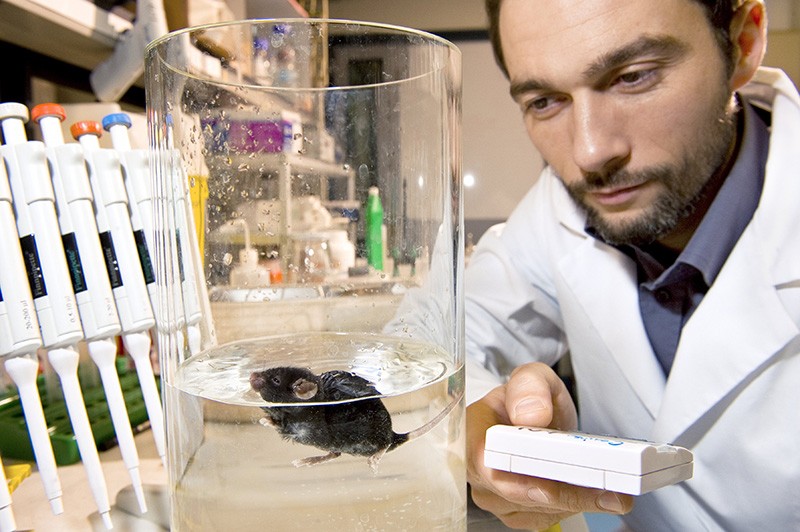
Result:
[{"x": 540, "y": 286}]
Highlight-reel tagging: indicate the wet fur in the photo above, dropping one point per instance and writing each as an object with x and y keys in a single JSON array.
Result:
[{"x": 361, "y": 428}]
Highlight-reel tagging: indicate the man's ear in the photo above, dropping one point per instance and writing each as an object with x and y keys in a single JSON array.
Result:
[{"x": 749, "y": 38}]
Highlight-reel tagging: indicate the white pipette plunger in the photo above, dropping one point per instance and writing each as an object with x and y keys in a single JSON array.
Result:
[{"x": 98, "y": 310}]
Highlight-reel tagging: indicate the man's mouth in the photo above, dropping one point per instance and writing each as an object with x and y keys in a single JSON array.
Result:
[{"x": 616, "y": 196}]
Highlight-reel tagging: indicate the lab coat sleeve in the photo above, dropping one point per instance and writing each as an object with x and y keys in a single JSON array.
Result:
[
  {"x": 512, "y": 316},
  {"x": 426, "y": 311}
]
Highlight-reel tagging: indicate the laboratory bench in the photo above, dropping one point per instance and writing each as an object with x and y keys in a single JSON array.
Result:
[{"x": 32, "y": 511}]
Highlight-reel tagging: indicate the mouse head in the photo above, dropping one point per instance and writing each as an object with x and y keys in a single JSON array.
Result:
[{"x": 285, "y": 384}]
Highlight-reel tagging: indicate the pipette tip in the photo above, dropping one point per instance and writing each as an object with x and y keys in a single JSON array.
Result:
[
  {"x": 57, "y": 505},
  {"x": 138, "y": 489},
  {"x": 106, "y": 517}
]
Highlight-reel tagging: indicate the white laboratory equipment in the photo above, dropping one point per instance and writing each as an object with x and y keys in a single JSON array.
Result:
[
  {"x": 136, "y": 163},
  {"x": 21, "y": 341},
  {"x": 92, "y": 284},
  {"x": 54, "y": 299},
  {"x": 135, "y": 311},
  {"x": 21, "y": 321}
]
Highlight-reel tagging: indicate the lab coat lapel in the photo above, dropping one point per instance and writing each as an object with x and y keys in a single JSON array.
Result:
[
  {"x": 608, "y": 299},
  {"x": 715, "y": 358}
]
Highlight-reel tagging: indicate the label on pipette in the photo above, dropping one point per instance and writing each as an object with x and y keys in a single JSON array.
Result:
[
  {"x": 74, "y": 264},
  {"x": 179, "y": 250},
  {"x": 110, "y": 256},
  {"x": 144, "y": 257},
  {"x": 34, "y": 267}
]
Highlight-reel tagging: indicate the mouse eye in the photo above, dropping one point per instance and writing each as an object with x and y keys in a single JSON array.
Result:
[{"x": 276, "y": 380}]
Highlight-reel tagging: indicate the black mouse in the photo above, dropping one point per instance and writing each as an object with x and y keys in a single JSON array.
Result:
[{"x": 361, "y": 428}]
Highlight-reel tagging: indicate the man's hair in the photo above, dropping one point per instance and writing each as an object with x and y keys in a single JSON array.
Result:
[{"x": 718, "y": 12}]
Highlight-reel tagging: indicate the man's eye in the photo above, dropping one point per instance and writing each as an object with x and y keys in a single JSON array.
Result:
[
  {"x": 539, "y": 104},
  {"x": 635, "y": 78},
  {"x": 543, "y": 106}
]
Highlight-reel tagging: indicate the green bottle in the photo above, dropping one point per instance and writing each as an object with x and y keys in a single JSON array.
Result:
[{"x": 373, "y": 225}]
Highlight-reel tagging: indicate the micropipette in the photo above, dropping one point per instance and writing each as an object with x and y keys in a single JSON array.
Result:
[
  {"x": 34, "y": 200},
  {"x": 136, "y": 177},
  {"x": 7, "y": 522},
  {"x": 143, "y": 240},
  {"x": 91, "y": 283},
  {"x": 189, "y": 251},
  {"x": 59, "y": 322},
  {"x": 136, "y": 313},
  {"x": 24, "y": 339},
  {"x": 137, "y": 182},
  {"x": 112, "y": 217},
  {"x": 93, "y": 290}
]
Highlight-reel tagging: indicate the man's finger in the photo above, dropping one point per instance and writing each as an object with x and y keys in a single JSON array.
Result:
[{"x": 536, "y": 397}]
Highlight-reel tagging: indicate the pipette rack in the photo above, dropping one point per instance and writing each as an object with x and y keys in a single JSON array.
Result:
[{"x": 15, "y": 441}]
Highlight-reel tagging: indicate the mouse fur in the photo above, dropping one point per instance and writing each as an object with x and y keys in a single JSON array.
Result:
[{"x": 362, "y": 427}]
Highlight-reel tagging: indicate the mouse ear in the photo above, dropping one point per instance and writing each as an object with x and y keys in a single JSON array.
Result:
[{"x": 304, "y": 389}]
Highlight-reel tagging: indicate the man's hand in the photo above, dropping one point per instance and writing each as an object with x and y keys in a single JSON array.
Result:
[{"x": 535, "y": 397}]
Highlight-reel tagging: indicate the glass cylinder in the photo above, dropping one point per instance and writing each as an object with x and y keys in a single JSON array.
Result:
[{"x": 318, "y": 396}]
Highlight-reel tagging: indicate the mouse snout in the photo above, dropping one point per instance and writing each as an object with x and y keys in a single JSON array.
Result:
[{"x": 257, "y": 380}]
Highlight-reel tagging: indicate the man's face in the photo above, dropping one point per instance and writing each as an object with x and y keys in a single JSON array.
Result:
[{"x": 628, "y": 101}]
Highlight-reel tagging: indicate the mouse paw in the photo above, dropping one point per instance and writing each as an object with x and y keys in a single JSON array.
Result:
[
  {"x": 314, "y": 460},
  {"x": 373, "y": 460},
  {"x": 267, "y": 422}
]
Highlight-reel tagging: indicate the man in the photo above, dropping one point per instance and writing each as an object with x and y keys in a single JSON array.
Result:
[{"x": 660, "y": 248}]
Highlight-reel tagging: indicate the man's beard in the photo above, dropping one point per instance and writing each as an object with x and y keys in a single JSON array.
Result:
[{"x": 685, "y": 186}]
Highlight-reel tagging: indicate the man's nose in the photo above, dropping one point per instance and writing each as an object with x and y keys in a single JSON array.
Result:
[{"x": 600, "y": 142}]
